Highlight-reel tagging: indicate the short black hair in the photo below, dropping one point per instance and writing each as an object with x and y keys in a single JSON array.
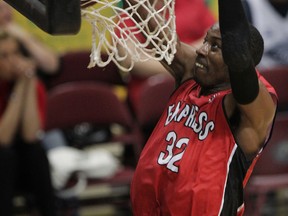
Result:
[{"x": 256, "y": 44}]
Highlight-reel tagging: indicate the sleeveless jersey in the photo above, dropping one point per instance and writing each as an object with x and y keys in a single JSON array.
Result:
[
  {"x": 274, "y": 30},
  {"x": 191, "y": 164}
]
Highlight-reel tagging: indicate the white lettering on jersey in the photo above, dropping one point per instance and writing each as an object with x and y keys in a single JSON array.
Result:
[
  {"x": 168, "y": 157},
  {"x": 197, "y": 121}
]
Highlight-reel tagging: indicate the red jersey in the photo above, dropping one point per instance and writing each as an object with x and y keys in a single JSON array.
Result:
[{"x": 191, "y": 164}]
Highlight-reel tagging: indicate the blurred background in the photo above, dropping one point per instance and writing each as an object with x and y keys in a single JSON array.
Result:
[{"x": 98, "y": 120}]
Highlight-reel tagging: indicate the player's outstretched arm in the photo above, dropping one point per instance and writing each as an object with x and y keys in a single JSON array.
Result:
[
  {"x": 181, "y": 66},
  {"x": 236, "y": 43},
  {"x": 249, "y": 96}
]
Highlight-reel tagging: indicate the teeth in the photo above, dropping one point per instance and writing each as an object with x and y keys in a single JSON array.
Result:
[{"x": 199, "y": 65}]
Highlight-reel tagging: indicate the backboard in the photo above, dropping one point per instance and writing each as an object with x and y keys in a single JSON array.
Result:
[{"x": 56, "y": 17}]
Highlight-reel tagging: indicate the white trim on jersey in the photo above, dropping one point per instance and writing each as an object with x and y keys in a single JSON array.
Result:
[{"x": 227, "y": 173}]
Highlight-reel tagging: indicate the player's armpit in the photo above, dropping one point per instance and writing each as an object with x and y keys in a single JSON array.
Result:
[{"x": 256, "y": 117}]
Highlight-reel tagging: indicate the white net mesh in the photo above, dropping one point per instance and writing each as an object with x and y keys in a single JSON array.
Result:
[{"x": 111, "y": 29}]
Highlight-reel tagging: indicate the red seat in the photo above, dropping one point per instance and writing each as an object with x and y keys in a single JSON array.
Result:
[
  {"x": 154, "y": 95},
  {"x": 74, "y": 68},
  {"x": 271, "y": 170},
  {"x": 77, "y": 102}
]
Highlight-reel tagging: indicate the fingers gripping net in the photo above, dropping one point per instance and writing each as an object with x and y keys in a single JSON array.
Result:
[{"x": 112, "y": 31}]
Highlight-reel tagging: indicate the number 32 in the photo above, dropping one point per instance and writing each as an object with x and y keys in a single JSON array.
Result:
[{"x": 168, "y": 158}]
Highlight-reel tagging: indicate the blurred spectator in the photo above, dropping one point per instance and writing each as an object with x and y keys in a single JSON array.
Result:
[
  {"x": 47, "y": 61},
  {"x": 271, "y": 19},
  {"x": 24, "y": 166}
]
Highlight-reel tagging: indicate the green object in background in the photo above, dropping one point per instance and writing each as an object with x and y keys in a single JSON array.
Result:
[
  {"x": 82, "y": 40},
  {"x": 59, "y": 43},
  {"x": 213, "y": 6}
]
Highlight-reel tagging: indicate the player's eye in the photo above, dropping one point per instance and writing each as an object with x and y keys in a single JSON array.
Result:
[{"x": 215, "y": 46}]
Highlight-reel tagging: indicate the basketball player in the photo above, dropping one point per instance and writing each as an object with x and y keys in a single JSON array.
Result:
[{"x": 204, "y": 147}]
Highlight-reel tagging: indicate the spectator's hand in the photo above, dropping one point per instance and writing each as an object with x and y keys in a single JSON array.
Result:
[
  {"x": 5, "y": 14},
  {"x": 24, "y": 68},
  {"x": 16, "y": 31}
]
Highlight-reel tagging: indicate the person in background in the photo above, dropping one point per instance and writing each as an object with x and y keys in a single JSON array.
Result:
[
  {"x": 47, "y": 61},
  {"x": 271, "y": 19},
  {"x": 216, "y": 124},
  {"x": 24, "y": 167}
]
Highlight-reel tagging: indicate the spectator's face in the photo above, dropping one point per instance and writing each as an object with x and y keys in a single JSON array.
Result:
[
  {"x": 5, "y": 13},
  {"x": 9, "y": 55},
  {"x": 210, "y": 71}
]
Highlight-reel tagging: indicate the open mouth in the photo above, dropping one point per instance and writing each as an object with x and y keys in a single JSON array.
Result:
[{"x": 199, "y": 65}]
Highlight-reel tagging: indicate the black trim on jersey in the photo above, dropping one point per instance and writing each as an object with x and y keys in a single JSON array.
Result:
[
  {"x": 233, "y": 121},
  {"x": 234, "y": 195},
  {"x": 234, "y": 191}
]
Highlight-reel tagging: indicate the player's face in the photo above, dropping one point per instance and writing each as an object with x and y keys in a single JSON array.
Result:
[
  {"x": 9, "y": 52},
  {"x": 210, "y": 71}
]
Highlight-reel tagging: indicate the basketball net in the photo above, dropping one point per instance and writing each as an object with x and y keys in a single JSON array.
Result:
[{"x": 110, "y": 30}]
